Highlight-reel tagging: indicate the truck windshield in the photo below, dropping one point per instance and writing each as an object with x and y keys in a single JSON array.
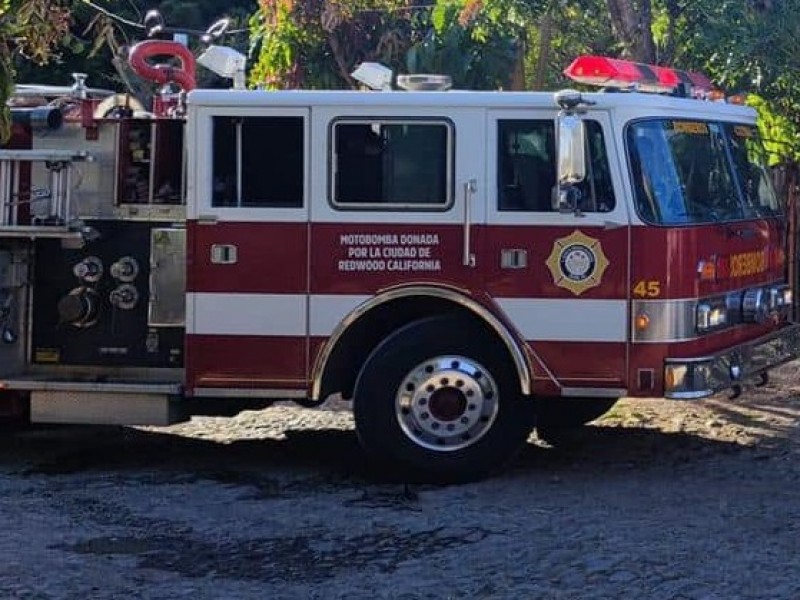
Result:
[{"x": 698, "y": 172}]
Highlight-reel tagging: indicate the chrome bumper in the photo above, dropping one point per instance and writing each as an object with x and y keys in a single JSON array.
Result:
[{"x": 690, "y": 378}]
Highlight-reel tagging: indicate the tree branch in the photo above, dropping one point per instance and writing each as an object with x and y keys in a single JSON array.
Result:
[{"x": 341, "y": 63}]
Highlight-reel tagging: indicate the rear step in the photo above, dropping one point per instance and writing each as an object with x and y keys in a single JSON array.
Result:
[{"x": 101, "y": 403}]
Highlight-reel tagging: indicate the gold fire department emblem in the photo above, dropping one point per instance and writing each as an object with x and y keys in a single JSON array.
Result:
[{"x": 577, "y": 262}]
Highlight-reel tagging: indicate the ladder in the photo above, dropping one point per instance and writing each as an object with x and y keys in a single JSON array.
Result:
[{"x": 56, "y": 218}]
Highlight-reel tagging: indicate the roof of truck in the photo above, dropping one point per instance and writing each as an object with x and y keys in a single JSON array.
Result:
[{"x": 462, "y": 99}]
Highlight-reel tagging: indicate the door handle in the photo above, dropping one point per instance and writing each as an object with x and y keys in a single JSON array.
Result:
[
  {"x": 468, "y": 258},
  {"x": 207, "y": 219},
  {"x": 224, "y": 254}
]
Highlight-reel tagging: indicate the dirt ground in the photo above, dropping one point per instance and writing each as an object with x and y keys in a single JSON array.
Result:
[{"x": 659, "y": 499}]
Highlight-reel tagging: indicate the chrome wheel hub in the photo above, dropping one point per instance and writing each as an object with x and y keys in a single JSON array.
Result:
[{"x": 447, "y": 403}]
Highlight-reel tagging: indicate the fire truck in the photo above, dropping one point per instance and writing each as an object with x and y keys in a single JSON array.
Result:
[{"x": 464, "y": 266}]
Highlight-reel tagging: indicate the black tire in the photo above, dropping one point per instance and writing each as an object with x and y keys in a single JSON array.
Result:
[
  {"x": 480, "y": 417},
  {"x": 558, "y": 420}
]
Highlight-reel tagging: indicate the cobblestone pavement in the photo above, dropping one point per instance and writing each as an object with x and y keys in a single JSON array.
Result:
[{"x": 656, "y": 500}]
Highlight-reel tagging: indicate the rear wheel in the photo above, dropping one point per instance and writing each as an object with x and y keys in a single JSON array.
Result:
[
  {"x": 558, "y": 420},
  {"x": 439, "y": 399}
]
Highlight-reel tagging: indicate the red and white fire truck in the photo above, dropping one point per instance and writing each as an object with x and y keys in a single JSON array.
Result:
[{"x": 463, "y": 265}]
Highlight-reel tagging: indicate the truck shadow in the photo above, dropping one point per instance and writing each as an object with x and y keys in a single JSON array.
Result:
[
  {"x": 614, "y": 448},
  {"x": 323, "y": 456}
]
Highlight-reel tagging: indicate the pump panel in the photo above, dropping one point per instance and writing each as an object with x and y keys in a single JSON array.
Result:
[{"x": 91, "y": 305}]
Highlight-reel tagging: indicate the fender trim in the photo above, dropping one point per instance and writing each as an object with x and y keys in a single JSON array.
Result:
[{"x": 512, "y": 344}]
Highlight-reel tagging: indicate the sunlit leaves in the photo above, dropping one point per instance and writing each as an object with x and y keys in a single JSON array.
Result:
[
  {"x": 468, "y": 41},
  {"x": 781, "y": 136}
]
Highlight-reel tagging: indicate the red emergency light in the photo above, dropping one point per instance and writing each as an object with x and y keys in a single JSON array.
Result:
[{"x": 617, "y": 73}]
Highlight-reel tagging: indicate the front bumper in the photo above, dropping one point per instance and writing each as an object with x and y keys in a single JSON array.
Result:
[{"x": 690, "y": 378}]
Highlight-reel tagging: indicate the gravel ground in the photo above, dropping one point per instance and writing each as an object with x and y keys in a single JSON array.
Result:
[{"x": 657, "y": 500}]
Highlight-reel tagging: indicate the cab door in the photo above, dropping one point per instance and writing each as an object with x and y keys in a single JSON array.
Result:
[
  {"x": 561, "y": 277},
  {"x": 248, "y": 249},
  {"x": 399, "y": 206}
]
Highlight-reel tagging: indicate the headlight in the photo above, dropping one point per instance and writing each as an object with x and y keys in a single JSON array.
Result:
[
  {"x": 711, "y": 316},
  {"x": 775, "y": 298},
  {"x": 780, "y": 296},
  {"x": 755, "y": 305},
  {"x": 733, "y": 302}
]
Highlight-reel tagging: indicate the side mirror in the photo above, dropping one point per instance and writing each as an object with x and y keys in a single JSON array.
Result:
[
  {"x": 571, "y": 150},
  {"x": 571, "y": 161}
]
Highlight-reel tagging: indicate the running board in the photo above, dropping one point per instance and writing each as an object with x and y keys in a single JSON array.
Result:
[{"x": 95, "y": 403}]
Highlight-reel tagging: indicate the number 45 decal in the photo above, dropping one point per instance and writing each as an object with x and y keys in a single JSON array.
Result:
[{"x": 647, "y": 289}]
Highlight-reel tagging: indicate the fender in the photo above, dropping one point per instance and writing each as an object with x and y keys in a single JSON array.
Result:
[
  {"x": 162, "y": 74},
  {"x": 509, "y": 339}
]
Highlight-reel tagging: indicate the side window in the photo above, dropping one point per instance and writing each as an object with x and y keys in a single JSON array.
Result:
[
  {"x": 526, "y": 167},
  {"x": 390, "y": 163},
  {"x": 597, "y": 191},
  {"x": 257, "y": 162}
]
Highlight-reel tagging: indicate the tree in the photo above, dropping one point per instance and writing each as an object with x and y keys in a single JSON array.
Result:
[
  {"x": 479, "y": 44},
  {"x": 632, "y": 21},
  {"x": 745, "y": 46},
  {"x": 307, "y": 43}
]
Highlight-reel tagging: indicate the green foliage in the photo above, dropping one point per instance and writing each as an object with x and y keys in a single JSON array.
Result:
[
  {"x": 308, "y": 43},
  {"x": 745, "y": 46},
  {"x": 780, "y": 134},
  {"x": 474, "y": 47},
  {"x": 581, "y": 27},
  {"x": 281, "y": 42}
]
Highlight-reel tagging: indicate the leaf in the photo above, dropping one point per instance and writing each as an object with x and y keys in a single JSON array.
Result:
[{"x": 439, "y": 16}]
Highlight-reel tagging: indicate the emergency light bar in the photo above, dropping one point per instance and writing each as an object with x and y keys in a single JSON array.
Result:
[{"x": 616, "y": 73}]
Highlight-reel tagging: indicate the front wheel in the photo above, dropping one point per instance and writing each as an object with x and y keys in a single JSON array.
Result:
[{"x": 440, "y": 399}]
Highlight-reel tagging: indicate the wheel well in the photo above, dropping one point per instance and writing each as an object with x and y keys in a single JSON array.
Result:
[{"x": 361, "y": 337}]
